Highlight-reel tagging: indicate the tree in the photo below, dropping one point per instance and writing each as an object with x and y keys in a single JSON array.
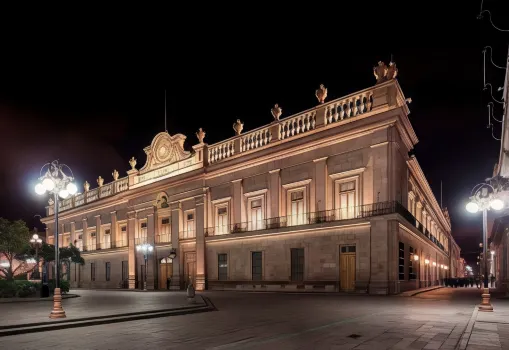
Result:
[
  {"x": 70, "y": 253},
  {"x": 14, "y": 238}
]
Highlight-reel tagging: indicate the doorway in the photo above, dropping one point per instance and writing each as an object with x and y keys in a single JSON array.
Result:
[
  {"x": 165, "y": 272},
  {"x": 347, "y": 267},
  {"x": 190, "y": 268}
]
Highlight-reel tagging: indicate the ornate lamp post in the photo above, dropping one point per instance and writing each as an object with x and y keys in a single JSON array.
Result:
[
  {"x": 146, "y": 249},
  {"x": 57, "y": 183},
  {"x": 36, "y": 243},
  {"x": 484, "y": 198}
]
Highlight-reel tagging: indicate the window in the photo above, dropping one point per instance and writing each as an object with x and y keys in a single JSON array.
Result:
[
  {"x": 401, "y": 261},
  {"x": 256, "y": 215},
  {"x": 106, "y": 239},
  {"x": 92, "y": 244},
  {"x": 297, "y": 264},
  {"x": 347, "y": 200},
  {"x": 222, "y": 267},
  {"x": 92, "y": 271},
  {"x": 348, "y": 249},
  {"x": 125, "y": 275},
  {"x": 79, "y": 241},
  {"x": 123, "y": 236},
  {"x": 189, "y": 225},
  {"x": 256, "y": 266},
  {"x": 141, "y": 236},
  {"x": 108, "y": 271},
  {"x": 297, "y": 208},
  {"x": 222, "y": 220},
  {"x": 165, "y": 234},
  {"x": 411, "y": 271}
]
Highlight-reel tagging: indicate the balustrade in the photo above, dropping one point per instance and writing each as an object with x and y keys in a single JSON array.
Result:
[
  {"x": 297, "y": 125},
  {"x": 221, "y": 151},
  {"x": 255, "y": 139}
]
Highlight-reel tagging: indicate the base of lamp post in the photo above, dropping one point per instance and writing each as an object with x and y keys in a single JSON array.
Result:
[
  {"x": 485, "y": 305},
  {"x": 58, "y": 311}
]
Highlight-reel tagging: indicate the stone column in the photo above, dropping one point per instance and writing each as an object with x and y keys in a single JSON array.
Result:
[
  {"x": 237, "y": 201},
  {"x": 321, "y": 184},
  {"x": 98, "y": 232},
  {"x": 152, "y": 265},
  {"x": 176, "y": 224},
  {"x": 73, "y": 233},
  {"x": 131, "y": 229},
  {"x": 274, "y": 197},
  {"x": 200, "y": 242},
  {"x": 113, "y": 229},
  {"x": 84, "y": 240}
]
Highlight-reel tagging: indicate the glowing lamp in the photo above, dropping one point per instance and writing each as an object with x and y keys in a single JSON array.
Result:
[
  {"x": 40, "y": 189},
  {"x": 497, "y": 204},
  {"x": 48, "y": 184},
  {"x": 71, "y": 188}
]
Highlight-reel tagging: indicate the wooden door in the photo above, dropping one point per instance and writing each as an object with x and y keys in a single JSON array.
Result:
[
  {"x": 190, "y": 268},
  {"x": 347, "y": 268},
  {"x": 165, "y": 272}
]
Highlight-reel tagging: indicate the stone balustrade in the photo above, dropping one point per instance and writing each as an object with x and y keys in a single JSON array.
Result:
[{"x": 220, "y": 151}]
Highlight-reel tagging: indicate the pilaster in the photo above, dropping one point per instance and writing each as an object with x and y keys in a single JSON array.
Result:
[
  {"x": 131, "y": 228},
  {"x": 320, "y": 184},
  {"x": 274, "y": 197},
  {"x": 72, "y": 237},
  {"x": 237, "y": 201},
  {"x": 84, "y": 236},
  {"x": 176, "y": 223},
  {"x": 200, "y": 242},
  {"x": 114, "y": 229},
  {"x": 98, "y": 232},
  {"x": 151, "y": 265}
]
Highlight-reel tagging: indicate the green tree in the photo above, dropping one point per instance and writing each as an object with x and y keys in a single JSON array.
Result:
[
  {"x": 70, "y": 253},
  {"x": 14, "y": 238}
]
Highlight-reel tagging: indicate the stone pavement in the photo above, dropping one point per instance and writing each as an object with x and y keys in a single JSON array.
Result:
[
  {"x": 92, "y": 303},
  {"x": 488, "y": 330},
  {"x": 431, "y": 320}
]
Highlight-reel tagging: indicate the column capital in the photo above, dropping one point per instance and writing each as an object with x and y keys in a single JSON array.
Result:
[
  {"x": 274, "y": 171},
  {"x": 320, "y": 159}
]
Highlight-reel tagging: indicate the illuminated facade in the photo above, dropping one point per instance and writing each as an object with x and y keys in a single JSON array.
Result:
[{"x": 324, "y": 200}]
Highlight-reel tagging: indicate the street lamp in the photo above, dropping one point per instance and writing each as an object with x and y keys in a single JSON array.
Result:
[
  {"x": 57, "y": 183},
  {"x": 36, "y": 243},
  {"x": 146, "y": 249},
  {"x": 483, "y": 198}
]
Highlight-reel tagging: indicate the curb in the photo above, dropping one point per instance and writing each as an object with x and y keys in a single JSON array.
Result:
[
  {"x": 419, "y": 291},
  {"x": 99, "y": 320},
  {"x": 462, "y": 345},
  {"x": 30, "y": 300}
]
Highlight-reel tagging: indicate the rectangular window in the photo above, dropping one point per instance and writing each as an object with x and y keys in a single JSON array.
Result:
[
  {"x": 347, "y": 200},
  {"x": 297, "y": 209},
  {"x": 256, "y": 215},
  {"x": 108, "y": 271},
  {"x": 79, "y": 242},
  {"x": 92, "y": 271},
  {"x": 189, "y": 226},
  {"x": 165, "y": 234},
  {"x": 123, "y": 236},
  {"x": 92, "y": 243},
  {"x": 222, "y": 220},
  {"x": 297, "y": 264},
  {"x": 401, "y": 261},
  {"x": 256, "y": 266},
  {"x": 106, "y": 239},
  {"x": 222, "y": 267},
  {"x": 142, "y": 233},
  {"x": 411, "y": 270},
  {"x": 125, "y": 275}
]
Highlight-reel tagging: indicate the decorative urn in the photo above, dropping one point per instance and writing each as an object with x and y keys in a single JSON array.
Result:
[
  {"x": 86, "y": 186},
  {"x": 238, "y": 126},
  {"x": 276, "y": 112},
  {"x": 115, "y": 175},
  {"x": 100, "y": 181},
  {"x": 200, "y": 135},
  {"x": 132, "y": 162},
  {"x": 321, "y": 93}
]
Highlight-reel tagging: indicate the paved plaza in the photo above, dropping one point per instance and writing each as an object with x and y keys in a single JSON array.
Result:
[{"x": 431, "y": 320}]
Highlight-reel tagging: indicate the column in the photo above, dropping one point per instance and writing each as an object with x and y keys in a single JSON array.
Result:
[
  {"x": 84, "y": 239},
  {"x": 98, "y": 232},
  {"x": 131, "y": 228},
  {"x": 151, "y": 266},
  {"x": 320, "y": 184},
  {"x": 274, "y": 197},
  {"x": 176, "y": 223},
  {"x": 72, "y": 237},
  {"x": 113, "y": 229},
  {"x": 200, "y": 242},
  {"x": 237, "y": 201}
]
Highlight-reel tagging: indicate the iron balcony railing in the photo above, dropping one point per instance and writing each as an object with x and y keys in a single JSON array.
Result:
[{"x": 358, "y": 212}]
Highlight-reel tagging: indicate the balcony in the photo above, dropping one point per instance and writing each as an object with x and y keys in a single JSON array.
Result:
[
  {"x": 104, "y": 245},
  {"x": 163, "y": 238},
  {"x": 335, "y": 215}
]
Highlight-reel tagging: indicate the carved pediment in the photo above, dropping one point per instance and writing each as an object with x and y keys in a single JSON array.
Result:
[{"x": 164, "y": 150}]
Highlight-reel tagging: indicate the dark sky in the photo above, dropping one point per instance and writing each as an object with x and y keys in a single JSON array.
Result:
[{"x": 90, "y": 91}]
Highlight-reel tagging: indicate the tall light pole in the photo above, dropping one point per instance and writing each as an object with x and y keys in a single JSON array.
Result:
[
  {"x": 484, "y": 198},
  {"x": 58, "y": 184},
  {"x": 146, "y": 249},
  {"x": 36, "y": 243}
]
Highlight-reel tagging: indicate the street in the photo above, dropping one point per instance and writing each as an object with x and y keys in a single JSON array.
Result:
[{"x": 430, "y": 320}]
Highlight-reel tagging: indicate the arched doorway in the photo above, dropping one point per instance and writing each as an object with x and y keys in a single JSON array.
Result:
[{"x": 165, "y": 272}]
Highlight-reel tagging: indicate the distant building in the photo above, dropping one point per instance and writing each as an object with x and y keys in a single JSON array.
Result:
[{"x": 325, "y": 200}]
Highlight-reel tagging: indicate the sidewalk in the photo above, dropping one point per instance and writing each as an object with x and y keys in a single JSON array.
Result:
[
  {"x": 411, "y": 293},
  {"x": 488, "y": 330}
]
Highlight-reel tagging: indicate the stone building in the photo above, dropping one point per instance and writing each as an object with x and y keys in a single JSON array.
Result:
[{"x": 325, "y": 200}]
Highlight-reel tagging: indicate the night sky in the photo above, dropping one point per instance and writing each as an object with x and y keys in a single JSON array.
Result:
[{"x": 92, "y": 94}]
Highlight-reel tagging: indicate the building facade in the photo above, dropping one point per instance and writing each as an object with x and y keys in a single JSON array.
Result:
[{"x": 325, "y": 200}]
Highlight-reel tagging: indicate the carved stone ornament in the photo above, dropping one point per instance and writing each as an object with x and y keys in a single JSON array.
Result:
[
  {"x": 238, "y": 126},
  {"x": 115, "y": 175},
  {"x": 86, "y": 186},
  {"x": 100, "y": 181},
  {"x": 276, "y": 112},
  {"x": 132, "y": 163},
  {"x": 200, "y": 135},
  {"x": 383, "y": 73},
  {"x": 321, "y": 93},
  {"x": 164, "y": 150},
  {"x": 51, "y": 201}
]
